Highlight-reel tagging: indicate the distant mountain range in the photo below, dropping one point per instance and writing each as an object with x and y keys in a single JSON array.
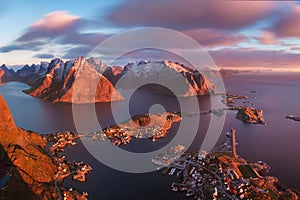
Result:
[{"x": 85, "y": 80}]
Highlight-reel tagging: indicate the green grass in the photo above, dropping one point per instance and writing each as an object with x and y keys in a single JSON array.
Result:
[
  {"x": 272, "y": 194},
  {"x": 247, "y": 171}
]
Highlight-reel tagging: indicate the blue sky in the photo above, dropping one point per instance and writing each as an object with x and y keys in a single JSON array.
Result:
[
  {"x": 18, "y": 15},
  {"x": 236, "y": 34}
]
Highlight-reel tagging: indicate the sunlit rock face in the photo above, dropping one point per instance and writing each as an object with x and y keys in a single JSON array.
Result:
[
  {"x": 250, "y": 115},
  {"x": 25, "y": 151},
  {"x": 75, "y": 81}
]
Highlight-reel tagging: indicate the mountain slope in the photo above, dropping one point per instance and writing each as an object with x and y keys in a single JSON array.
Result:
[
  {"x": 32, "y": 170},
  {"x": 75, "y": 81}
]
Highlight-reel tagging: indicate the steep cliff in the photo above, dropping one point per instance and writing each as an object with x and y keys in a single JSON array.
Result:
[{"x": 32, "y": 170}]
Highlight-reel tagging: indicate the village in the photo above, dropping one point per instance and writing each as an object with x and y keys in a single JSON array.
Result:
[
  {"x": 152, "y": 126},
  {"x": 220, "y": 175},
  {"x": 77, "y": 169}
]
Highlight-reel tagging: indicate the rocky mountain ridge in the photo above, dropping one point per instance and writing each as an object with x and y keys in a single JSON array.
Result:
[
  {"x": 55, "y": 81},
  {"x": 74, "y": 81},
  {"x": 178, "y": 78}
]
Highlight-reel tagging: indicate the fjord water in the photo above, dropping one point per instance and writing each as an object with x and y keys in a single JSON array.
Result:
[{"x": 277, "y": 143}]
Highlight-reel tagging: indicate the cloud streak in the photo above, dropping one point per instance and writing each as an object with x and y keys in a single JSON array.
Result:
[
  {"x": 289, "y": 24},
  {"x": 213, "y": 38},
  {"x": 255, "y": 58},
  {"x": 190, "y": 14},
  {"x": 44, "y": 56},
  {"x": 52, "y": 25},
  {"x": 60, "y": 28}
]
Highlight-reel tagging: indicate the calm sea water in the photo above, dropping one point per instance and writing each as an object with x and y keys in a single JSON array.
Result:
[{"x": 277, "y": 143}]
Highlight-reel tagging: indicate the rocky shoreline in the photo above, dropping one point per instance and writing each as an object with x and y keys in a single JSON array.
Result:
[
  {"x": 250, "y": 115},
  {"x": 245, "y": 113}
]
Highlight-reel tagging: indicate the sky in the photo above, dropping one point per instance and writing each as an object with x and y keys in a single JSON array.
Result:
[{"x": 236, "y": 34}]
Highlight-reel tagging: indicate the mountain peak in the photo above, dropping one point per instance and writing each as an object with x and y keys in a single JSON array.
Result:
[
  {"x": 3, "y": 66},
  {"x": 75, "y": 81}
]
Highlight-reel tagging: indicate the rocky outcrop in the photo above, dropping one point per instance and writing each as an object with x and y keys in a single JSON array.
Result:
[
  {"x": 292, "y": 117},
  {"x": 142, "y": 120},
  {"x": 33, "y": 170},
  {"x": 113, "y": 74},
  {"x": 250, "y": 115},
  {"x": 75, "y": 81},
  {"x": 97, "y": 64},
  {"x": 188, "y": 82}
]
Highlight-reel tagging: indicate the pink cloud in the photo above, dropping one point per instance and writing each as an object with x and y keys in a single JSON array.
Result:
[
  {"x": 52, "y": 25},
  {"x": 289, "y": 24},
  {"x": 213, "y": 38},
  {"x": 55, "y": 20},
  {"x": 255, "y": 58},
  {"x": 191, "y": 13},
  {"x": 58, "y": 27},
  {"x": 268, "y": 38}
]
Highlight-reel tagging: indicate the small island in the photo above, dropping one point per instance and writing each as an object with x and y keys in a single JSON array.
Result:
[
  {"x": 292, "y": 117},
  {"x": 250, "y": 115},
  {"x": 245, "y": 113}
]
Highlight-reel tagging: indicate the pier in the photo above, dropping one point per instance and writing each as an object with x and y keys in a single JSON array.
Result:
[{"x": 233, "y": 143}]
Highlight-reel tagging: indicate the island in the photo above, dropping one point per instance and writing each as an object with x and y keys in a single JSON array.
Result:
[
  {"x": 250, "y": 115},
  {"x": 245, "y": 113},
  {"x": 292, "y": 117},
  {"x": 152, "y": 126}
]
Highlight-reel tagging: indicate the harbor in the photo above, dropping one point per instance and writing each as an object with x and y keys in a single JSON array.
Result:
[{"x": 223, "y": 174}]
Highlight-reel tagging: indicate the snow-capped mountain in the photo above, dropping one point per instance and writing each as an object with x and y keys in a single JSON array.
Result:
[{"x": 180, "y": 79}]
